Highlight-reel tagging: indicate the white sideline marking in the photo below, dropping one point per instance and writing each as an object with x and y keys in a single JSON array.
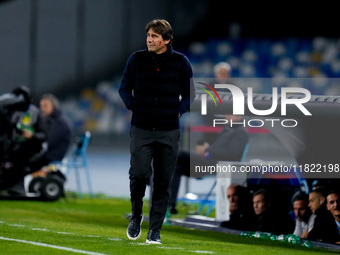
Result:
[
  {"x": 170, "y": 248},
  {"x": 201, "y": 251},
  {"x": 115, "y": 239},
  {"x": 16, "y": 225},
  {"x": 40, "y": 229},
  {"x": 139, "y": 243},
  {"x": 65, "y": 233},
  {"x": 51, "y": 246},
  {"x": 91, "y": 236}
]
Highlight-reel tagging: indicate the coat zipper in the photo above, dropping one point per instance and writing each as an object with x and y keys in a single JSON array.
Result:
[{"x": 156, "y": 98}]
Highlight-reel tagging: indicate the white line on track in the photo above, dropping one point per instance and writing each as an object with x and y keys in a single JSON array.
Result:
[{"x": 51, "y": 246}]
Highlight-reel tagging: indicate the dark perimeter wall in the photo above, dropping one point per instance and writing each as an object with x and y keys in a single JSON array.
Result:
[{"x": 62, "y": 46}]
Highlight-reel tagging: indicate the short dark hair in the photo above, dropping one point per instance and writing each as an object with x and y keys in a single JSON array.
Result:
[
  {"x": 239, "y": 189},
  {"x": 333, "y": 191},
  {"x": 301, "y": 196},
  {"x": 265, "y": 194},
  {"x": 321, "y": 191},
  {"x": 162, "y": 27}
]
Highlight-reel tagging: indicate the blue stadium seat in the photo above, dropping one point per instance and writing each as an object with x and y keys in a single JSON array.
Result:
[{"x": 78, "y": 160}]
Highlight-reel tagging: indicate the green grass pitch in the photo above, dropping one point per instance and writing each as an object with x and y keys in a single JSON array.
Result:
[{"x": 98, "y": 226}]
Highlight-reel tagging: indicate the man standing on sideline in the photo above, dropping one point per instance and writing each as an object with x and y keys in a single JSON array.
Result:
[{"x": 157, "y": 88}]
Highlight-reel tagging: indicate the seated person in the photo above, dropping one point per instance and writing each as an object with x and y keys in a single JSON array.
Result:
[
  {"x": 270, "y": 219},
  {"x": 304, "y": 218},
  {"x": 58, "y": 133},
  {"x": 242, "y": 216},
  {"x": 58, "y": 129},
  {"x": 333, "y": 205},
  {"x": 324, "y": 229},
  {"x": 228, "y": 146}
]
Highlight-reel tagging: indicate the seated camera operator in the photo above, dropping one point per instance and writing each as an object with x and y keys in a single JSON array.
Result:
[
  {"x": 25, "y": 127},
  {"x": 59, "y": 130}
]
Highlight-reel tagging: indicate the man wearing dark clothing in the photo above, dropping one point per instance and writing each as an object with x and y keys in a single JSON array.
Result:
[
  {"x": 333, "y": 205},
  {"x": 157, "y": 88},
  {"x": 241, "y": 211},
  {"x": 228, "y": 146},
  {"x": 58, "y": 129},
  {"x": 269, "y": 218},
  {"x": 325, "y": 229}
]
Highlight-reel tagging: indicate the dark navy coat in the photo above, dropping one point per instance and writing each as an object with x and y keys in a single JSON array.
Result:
[{"x": 157, "y": 90}]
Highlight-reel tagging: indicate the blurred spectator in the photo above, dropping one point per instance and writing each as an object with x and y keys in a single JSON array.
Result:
[
  {"x": 333, "y": 205},
  {"x": 242, "y": 216},
  {"x": 324, "y": 229},
  {"x": 58, "y": 130},
  {"x": 228, "y": 146},
  {"x": 270, "y": 219},
  {"x": 304, "y": 218},
  {"x": 222, "y": 72}
]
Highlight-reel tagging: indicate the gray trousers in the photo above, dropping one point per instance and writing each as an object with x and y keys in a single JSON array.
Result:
[{"x": 159, "y": 148}]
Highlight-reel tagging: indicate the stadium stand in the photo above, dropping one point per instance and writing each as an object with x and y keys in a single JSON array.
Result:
[{"x": 100, "y": 110}]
